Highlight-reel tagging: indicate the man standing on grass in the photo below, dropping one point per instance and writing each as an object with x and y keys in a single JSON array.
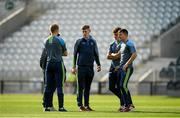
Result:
[
  {"x": 86, "y": 51},
  {"x": 128, "y": 55},
  {"x": 55, "y": 48},
  {"x": 114, "y": 55},
  {"x": 43, "y": 62}
]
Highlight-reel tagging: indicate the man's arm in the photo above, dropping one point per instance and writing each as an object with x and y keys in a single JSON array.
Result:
[
  {"x": 65, "y": 53},
  {"x": 76, "y": 49},
  {"x": 64, "y": 49},
  {"x": 75, "y": 54},
  {"x": 43, "y": 59},
  {"x": 132, "y": 58},
  {"x": 96, "y": 54},
  {"x": 113, "y": 56}
]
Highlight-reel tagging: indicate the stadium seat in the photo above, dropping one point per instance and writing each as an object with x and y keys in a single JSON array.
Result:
[
  {"x": 178, "y": 61},
  {"x": 177, "y": 72},
  {"x": 171, "y": 72},
  {"x": 177, "y": 85},
  {"x": 163, "y": 73},
  {"x": 171, "y": 64},
  {"x": 171, "y": 85}
]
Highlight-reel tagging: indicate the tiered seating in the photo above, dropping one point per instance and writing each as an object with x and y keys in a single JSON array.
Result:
[
  {"x": 172, "y": 71},
  {"x": 172, "y": 74},
  {"x": 20, "y": 52}
]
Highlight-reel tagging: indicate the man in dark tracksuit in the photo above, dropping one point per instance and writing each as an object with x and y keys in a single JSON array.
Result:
[
  {"x": 114, "y": 55},
  {"x": 55, "y": 48},
  {"x": 43, "y": 61},
  {"x": 128, "y": 55},
  {"x": 86, "y": 51}
]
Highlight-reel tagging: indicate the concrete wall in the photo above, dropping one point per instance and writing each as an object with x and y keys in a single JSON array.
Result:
[
  {"x": 170, "y": 42},
  {"x": 12, "y": 22},
  {"x": 17, "y": 19}
]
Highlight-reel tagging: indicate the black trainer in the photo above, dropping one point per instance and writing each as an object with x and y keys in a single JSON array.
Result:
[
  {"x": 62, "y": 109},
  {"x": 50, "y": 109}
]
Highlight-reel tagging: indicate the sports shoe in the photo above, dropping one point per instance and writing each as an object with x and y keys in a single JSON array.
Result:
[
  {"x": 121, "y": 107},
  {"x": 125, "y": 109},
  {"x": 131, "y": 107},
  {"x": 50, "y": 109},
  {"x": 62, "y": 109},
  {"x": 88, "y": 108},
  {"x": 82, "y": 108}
]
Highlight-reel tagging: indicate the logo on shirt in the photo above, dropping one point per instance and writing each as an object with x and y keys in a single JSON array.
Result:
[{"x": 91, "y": 43}]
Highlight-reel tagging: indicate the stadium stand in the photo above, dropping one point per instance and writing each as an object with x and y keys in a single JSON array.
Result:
[
  {"x": 171, "y": 73},
  {"x": 20, "y": 53}
]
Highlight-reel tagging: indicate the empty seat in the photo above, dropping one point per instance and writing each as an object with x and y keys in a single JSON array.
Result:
[
  {"x": 170, "y": 85},
  {"x": 163, "y": 73},
  {"x": 171, "y": 64},
  {"x": 178, "y": 61}
]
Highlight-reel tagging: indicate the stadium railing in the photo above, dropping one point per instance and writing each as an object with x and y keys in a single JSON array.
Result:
[
  {"x": 102, "y": 83},
  {"x": 3, "y": 82}
]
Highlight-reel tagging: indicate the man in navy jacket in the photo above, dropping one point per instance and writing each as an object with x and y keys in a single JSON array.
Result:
[{"x": 86, "y": 51}]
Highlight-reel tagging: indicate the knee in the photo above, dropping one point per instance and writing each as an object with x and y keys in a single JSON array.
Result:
[
  {"x": 121, "y": 86},
  {"x": 80, "y": 90},
  {"x": 47, "y": 90},
  {"x": 59, "y": 90},
  {"x": 87, "y": 89}
]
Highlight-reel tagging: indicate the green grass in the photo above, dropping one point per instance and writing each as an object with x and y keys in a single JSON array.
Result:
[{"x": 29, "y": 105}]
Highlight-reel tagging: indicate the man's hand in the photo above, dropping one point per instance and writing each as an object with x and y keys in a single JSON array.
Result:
[
  {"x": 74, "y": 70},
  {"x": 113, "y": 56},
  {"x": 125, "y": 67},
  {"x": 98, "y": 68}
]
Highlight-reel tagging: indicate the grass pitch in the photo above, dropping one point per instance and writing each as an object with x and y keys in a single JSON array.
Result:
[{"x": 29, "y": 105}]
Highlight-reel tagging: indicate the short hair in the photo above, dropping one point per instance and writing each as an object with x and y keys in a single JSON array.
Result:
[
  {"x": 124, "y": 31},
  {"x": 115, "y": 30},
  {"x": 54, "y": 27},
  {"x": 85, "y": 27}
]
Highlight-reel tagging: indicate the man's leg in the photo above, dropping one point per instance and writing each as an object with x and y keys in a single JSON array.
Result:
[
  {"x": 112, "y": 84},
  {"x": 59, "y": 77},
  {"x": 88, "y": 81},
  {"x": 80, "y": 86},
  {"x": 43, "y": 87},
  {"x": 120, "y": 96},
  {"x": 122, "y": 78},
  {"x": 48, "y": 92},
  {"x": 53, "y": 88},
  {"x": 124, "y": 86}
]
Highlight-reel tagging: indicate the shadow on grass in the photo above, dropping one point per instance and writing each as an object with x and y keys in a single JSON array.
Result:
[
  {"x": 151, "y": 112},
  {"x": 156, "y": 112}
]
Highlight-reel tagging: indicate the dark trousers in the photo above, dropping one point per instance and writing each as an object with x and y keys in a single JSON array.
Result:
[
  {"x": 114, "y": 84},
  {"x": 85, "y": 77},
  {"x": 51, "y": 95},
  {"x": 124, "y": 79},
  {"x": 54, "y": 78}
]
